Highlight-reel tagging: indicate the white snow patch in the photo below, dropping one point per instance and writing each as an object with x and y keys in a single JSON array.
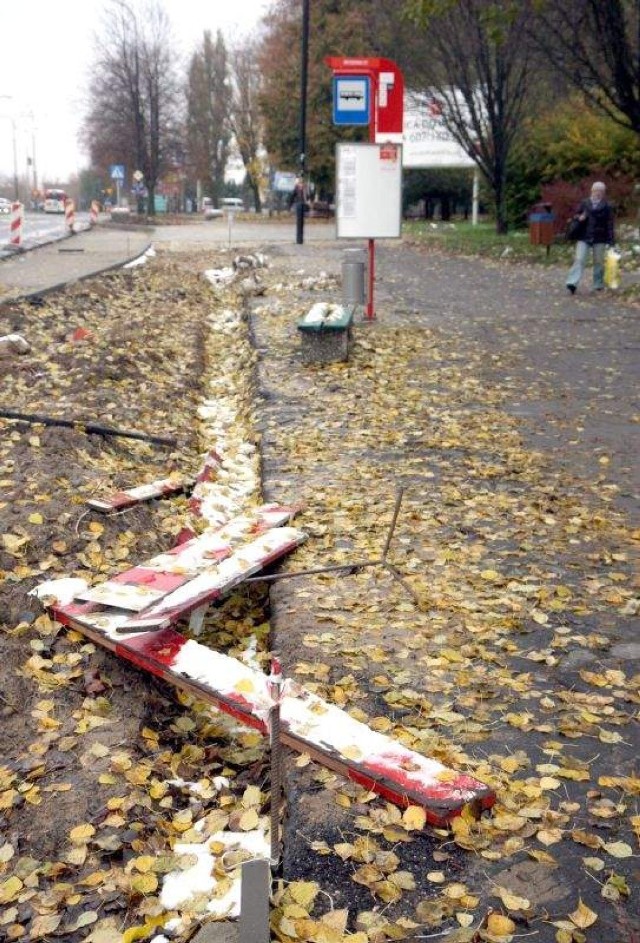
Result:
[
  {"x": 179, "y": 886},
  {"x": 63, "y": 590}
]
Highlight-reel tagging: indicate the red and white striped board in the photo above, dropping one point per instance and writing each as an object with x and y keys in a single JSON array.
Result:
[
  {"x": 17, "y": 216},
  {"x": 129, "y": 497},
  {"x": 308, "y": 724},
  {"x": 195, "y": 573},
  {"x": 69, "y": 214}
]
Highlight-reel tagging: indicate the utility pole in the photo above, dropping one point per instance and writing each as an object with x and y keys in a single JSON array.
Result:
[
  {"x": 12, "y": 118},
  {"x": 304, "y": 75},
  {"x": 16, "y": 193},
  {"x": 33, "y": 152}
]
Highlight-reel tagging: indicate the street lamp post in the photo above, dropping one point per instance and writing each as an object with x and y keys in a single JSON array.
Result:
[
  {"x": 16, "y": 194},
  {"x": 304, "y": 73}
]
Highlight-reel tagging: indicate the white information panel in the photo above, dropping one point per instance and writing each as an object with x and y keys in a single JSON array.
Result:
[{"x": 369, "y": 191}]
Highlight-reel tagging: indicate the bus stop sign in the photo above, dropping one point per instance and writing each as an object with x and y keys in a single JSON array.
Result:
[
  {"x": 385, "y": 94},
  {"x": 351, "y": 100}
]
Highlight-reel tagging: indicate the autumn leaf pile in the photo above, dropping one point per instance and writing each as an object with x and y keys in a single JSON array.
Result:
[
  {"x": 501, "y": 661},
  {"x": 513, "y": 664},
  {"x": 105, "y": 779}
]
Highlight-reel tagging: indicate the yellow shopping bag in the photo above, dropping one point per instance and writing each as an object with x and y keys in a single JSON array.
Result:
[{"x": 612, "y": 269}]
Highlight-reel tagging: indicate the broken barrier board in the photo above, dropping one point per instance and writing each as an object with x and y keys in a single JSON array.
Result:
[
  {"x": 308, "y": 724},
  {"x": 129, "y": 497},
  {"x": 147, "y": 583},
  {"x": 195, "y": 573}
]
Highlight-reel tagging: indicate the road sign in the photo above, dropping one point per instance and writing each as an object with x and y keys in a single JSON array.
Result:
[
  {"x": 284, "y": 181},
  {"x": 116, "y": 171},
  {"x": 350, "y": 99},
  {"x": 138, "y": 176}
]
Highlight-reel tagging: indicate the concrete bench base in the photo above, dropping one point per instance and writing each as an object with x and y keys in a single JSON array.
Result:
[
  {"x": 326, "y": 333},
  {"x": 325, "y": 346}
]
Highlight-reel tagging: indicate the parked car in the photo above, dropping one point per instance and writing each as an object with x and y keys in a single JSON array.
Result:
[{"x": 5, "y": 205}]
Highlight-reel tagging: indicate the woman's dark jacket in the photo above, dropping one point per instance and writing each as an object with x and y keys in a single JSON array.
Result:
[{"x": 598, "y": 224}]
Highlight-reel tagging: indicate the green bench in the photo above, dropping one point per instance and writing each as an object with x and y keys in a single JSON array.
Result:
[{"x": 326, "y": 333}]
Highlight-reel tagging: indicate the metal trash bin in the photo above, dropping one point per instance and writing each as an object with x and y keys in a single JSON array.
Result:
[
  {"x": 353, "y": 277},
  {"x": 542, "y": 225}
]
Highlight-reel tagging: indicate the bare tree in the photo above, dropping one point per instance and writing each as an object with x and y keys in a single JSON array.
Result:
[
  {"x": 595, "y": 44},
  {"x": 477, "y": 65},
  {"x": 208, "y": 114},
  {"x": 246, "y": 118},
  {"x": 133, "y": 98}
]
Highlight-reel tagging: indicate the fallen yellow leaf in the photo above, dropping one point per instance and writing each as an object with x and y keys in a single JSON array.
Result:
[{"x": 582, "y": 916}]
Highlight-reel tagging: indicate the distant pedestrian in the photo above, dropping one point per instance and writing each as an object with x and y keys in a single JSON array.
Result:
[
  {"x": 298, "y": 194},
  {"x": 596, "y": 218}
]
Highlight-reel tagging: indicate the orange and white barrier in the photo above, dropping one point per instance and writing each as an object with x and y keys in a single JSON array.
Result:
[
  {"x": 69, "y": 215},
  {"x": 93, "y": 213},
  {"x": 17, "y": 216}
]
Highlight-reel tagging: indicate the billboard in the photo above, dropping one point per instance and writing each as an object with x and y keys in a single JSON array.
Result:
[{"x": 426, "y": 140}]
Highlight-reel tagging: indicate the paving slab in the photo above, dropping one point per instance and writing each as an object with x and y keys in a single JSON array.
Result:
[
  {"x": 508, "y": 410},
  {"x": 69, "y": 260},
  {"x": 218, "y": 932}
]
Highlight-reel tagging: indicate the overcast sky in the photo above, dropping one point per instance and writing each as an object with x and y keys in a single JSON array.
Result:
[{"x": 45, "y": 61}]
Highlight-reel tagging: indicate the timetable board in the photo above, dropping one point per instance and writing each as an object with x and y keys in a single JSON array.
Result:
[{"x": 369, "y": 191}]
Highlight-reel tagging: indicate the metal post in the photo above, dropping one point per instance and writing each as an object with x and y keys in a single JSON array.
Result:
[
  {"x": 372, "y": 243},
  {"x": 304, "y": 75},
  {"x": 475, "y": 196},
  {"x": 33, "y": 156},
  {"x": 274, "y": 684},
  {"x": 253, "y": 925},
  {"x": 372, "y": 277},
  {"x": 16, "y": 193}
]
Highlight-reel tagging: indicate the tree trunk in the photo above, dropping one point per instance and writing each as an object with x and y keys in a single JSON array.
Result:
[
  {"x": 500, "y": 194},
  {"x": 257, "y": 202}
]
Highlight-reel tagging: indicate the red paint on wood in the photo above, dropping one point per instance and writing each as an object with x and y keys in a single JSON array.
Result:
[
  {"x": 162, "y": 614},
  {"x": 154, "y": 579},
  {"x": 161, "y": 648},
  {"x": 157, "y": 652},
  {"x": 208, "y": 470}
]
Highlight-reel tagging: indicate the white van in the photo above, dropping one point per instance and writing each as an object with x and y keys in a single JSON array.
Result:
[{"x": 232, "y": 204}]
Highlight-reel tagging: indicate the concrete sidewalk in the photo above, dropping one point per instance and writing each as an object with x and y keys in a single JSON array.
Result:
[
  {"x": 507, "y": 410},
  {"x": 69, "y": 260}
]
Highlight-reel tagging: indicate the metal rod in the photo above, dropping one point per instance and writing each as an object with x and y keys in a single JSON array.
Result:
[
  {"x": 90, "y": 428},
  {"x": 394, "y": 521},
  {"x": 390, "y": 568},
  {"x": 273, "y": 577},
  {"x": 132, "y": 630},
  {"x": 275, "y": 687}
]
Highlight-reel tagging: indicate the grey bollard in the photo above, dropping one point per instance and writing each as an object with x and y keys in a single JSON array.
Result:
[
  {"x": 254, "y": 902},
  {"x": 353, "y": 270}
]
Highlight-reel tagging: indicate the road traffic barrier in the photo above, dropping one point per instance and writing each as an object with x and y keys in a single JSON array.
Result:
[
  {"x": 17, "y": 215},
  {"x": 69, "y": 214},
  {"x": 93, "y": 214}
]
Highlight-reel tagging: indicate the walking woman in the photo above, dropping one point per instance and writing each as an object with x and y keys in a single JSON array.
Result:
[{"x": 596, "y": 233}]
